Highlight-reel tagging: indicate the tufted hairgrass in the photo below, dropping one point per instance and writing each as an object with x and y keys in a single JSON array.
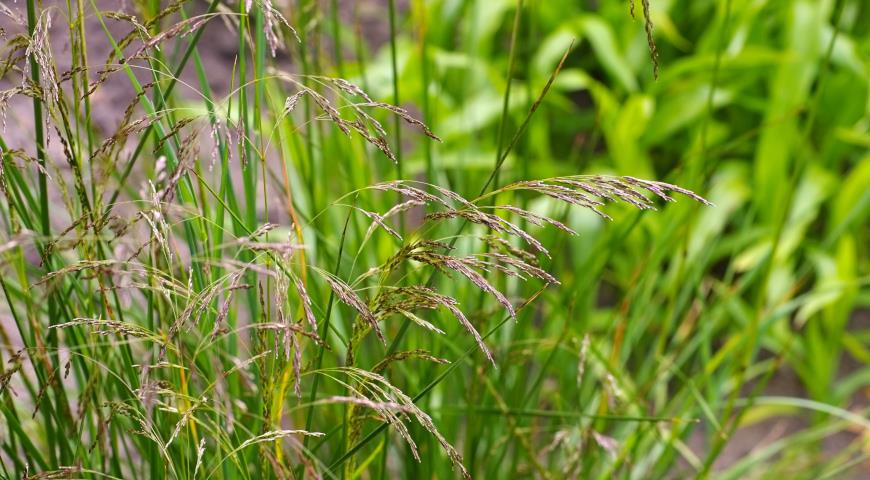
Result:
[{"x": 311, "y": 258}]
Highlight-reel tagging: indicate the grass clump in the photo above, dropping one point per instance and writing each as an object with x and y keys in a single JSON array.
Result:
[{"x": 234, "y": 269}]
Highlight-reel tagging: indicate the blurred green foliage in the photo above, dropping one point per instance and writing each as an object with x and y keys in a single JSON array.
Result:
[{"x": 763, "y": 107}]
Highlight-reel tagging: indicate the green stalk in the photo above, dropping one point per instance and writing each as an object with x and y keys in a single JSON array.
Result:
[
  {"x": 502, "y": 124},
  {"x": 324, "y": 330},
  {"x": 426, "y": 105},
  {"x": 397, "y": 122},
  {"x": 44, "y": 216},
  {"x": 475, "y": 423},
  {"x": 336, "y": 37},
  {"x": 38, "y": 128}
]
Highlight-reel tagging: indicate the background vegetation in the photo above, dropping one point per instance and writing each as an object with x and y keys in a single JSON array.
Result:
[{"x": 199, "y": 257}]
